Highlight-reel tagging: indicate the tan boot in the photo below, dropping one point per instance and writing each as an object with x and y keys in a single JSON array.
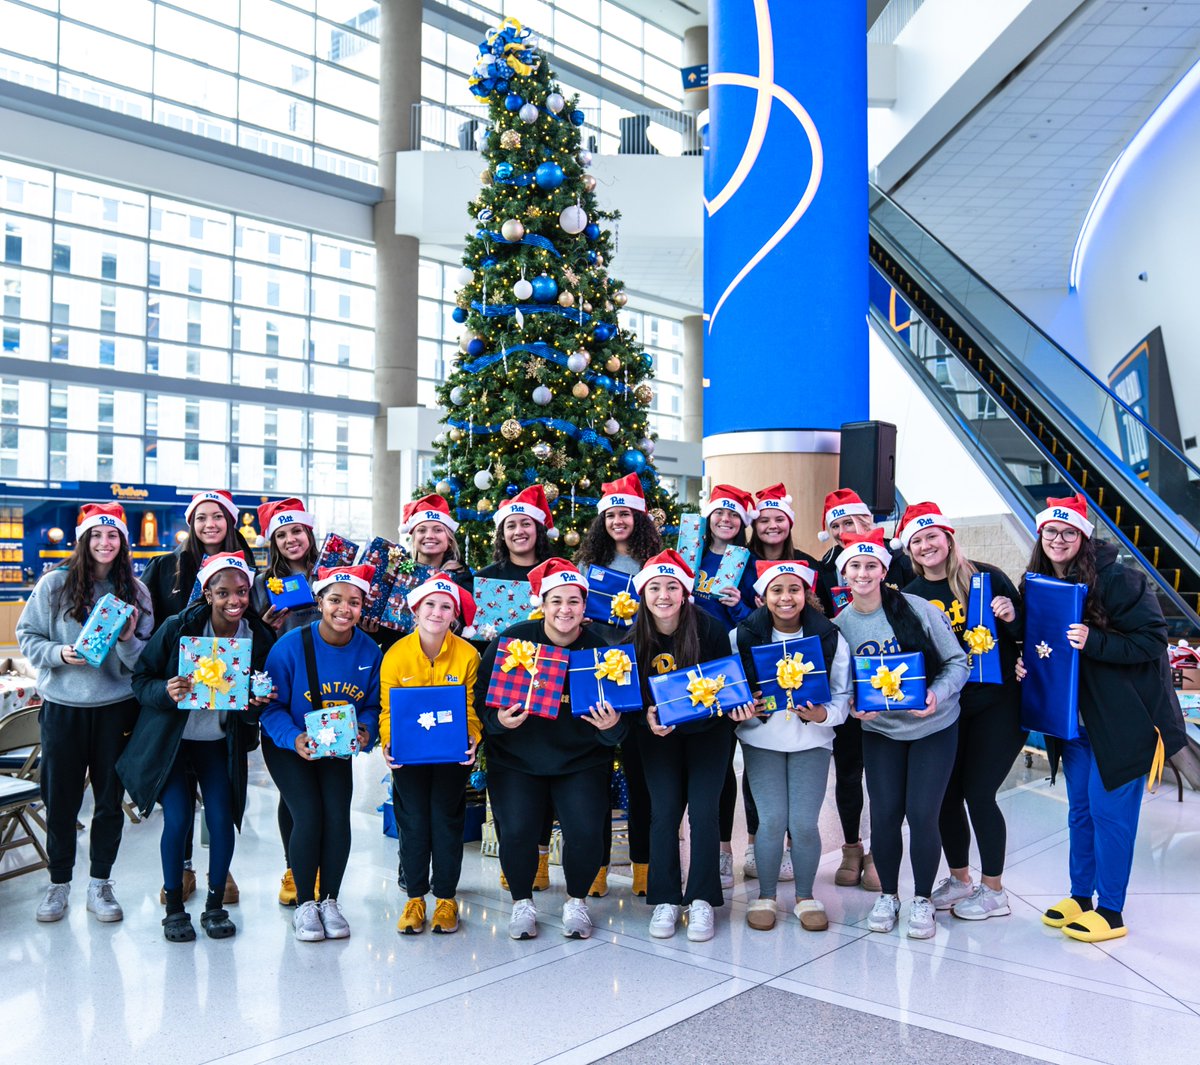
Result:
[
  {"x": 189, "y": 887},
  {"x": 541, "y": 879},
  {"x": 641, "y": 875},
  {"x": 870, "y": 879},
  {"x": 850, "y": 872},
  {"x": 232, "y": 894},
  {"x": 599, "y": 886}
]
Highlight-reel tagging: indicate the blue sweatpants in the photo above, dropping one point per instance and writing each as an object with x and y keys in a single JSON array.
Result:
[
  {"x": 208, "y": 760},
  {"x": 1103, "y": 826}
]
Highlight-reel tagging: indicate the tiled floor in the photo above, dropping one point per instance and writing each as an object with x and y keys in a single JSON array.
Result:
[{"x": 1005, "y": 990}]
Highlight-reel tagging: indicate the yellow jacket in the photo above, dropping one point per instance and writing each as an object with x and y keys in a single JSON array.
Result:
[{"x": 405, "y": 666}]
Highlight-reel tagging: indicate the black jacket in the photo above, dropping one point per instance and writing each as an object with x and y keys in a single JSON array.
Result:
[
  {"x": 154, "y": 745},
  {"x": 756, "y": 630},
  {"x": 159, "y": 578}
]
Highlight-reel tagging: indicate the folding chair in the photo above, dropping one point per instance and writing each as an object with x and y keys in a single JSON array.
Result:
[{"x": 20, "y": 793}]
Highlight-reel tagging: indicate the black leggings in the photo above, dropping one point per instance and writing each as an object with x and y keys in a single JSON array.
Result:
[
  {"x": 318, "y": 794},
  {"x": 906, "y": 779},
  {"x": 848, "y": 777},
  {"x": 638, "y": 814},
  {"x": 430, "y": 802},
  {"x": 989, "y": 740},
  {"x": 729, "y": 801}
]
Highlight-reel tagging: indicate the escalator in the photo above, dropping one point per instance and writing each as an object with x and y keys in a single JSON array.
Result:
[{"x": 1036, "y": 419}]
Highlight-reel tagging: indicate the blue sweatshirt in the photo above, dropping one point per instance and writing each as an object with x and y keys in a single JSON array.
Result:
[
  {"x": 349, "y": 676},
  {"x": 710, "y": 602}
]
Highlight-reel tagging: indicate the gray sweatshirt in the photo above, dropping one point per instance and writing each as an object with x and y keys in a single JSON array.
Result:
[
  {"x": 44, "y": 626},
  {"x": 871, "y": 634}
]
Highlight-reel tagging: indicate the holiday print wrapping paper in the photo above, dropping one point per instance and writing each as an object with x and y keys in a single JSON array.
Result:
[
  {"x": 220, "y": 672},
  {"x": 334, "y": 730},
  {"x": 500, "y": 604},
  {"x": 102, "y": 629},
  {"x": 336, "y": 550}
]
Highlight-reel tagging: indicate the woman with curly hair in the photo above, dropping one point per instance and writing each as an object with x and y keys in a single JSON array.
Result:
[{"x": 524, "y": 526}]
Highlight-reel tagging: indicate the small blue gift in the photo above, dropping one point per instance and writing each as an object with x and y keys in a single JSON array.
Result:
[
  {"x": 690, "y": 542},
  {"x": 791, "y": 674},
  {"x": 286, "y": 593},
  {"x": 220, "y": 670},
  {"x": 598, "y": 675},
  {"x": 889, "y": 682},
  {"x": 733, "y": 566},
  {"x": 102, "y": 629},
  {"x": 700, "y": 691},
  {"x": 429, "y": 725},
  {"x": 1050, "y": 690},
  {"x": 334, "y": 730},
  {"x": 983, "y": 649},
  {"x": 261, "y": 685},
  {"x": 611, "y": 597},
  {"x": 499, "y": 605}
]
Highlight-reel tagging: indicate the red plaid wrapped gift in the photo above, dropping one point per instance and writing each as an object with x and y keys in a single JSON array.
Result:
[{"x": 529, "y": 674}]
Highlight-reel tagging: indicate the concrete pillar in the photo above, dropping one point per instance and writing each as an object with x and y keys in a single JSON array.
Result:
[
  {"x": 396, "y": 256},
  {"x": 693, "y": 378},
  {"x": 695, "y": 52}
]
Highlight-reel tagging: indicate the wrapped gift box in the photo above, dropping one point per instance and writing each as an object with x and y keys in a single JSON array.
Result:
[
  {"x": 791, "y": 673},
  {"x": 102, "y": 629},
  {"x": 336, "y": 551},
  {"x": 220, "y": 670},
  {"x": 733, "y": 566},
  {"x": 611, "y": 597},
  {"x": 983, "y": 647},
  {"x": 1050, "y": 690},
  {"x": 334, "y": 729},
  {"x": 690, "y": 543},
  {"x": 500, "y": 604},
  {"x": 529, "y": 674},
  {"x": 429, "y": 725},
  {"x": 386, "y": 557},
  {"x": 889, "y": 682},
  {"x": 598, "y": 675},
  {"x": 700, "y": 691},
  {"x": 288, "y": 592},
  {"x": 261, "y": 685},
  {"x": 395, "y": 613},
  {"x": 842, "y": 598}
]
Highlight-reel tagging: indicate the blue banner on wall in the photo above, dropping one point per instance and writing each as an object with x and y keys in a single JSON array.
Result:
[{"x": 1130, "y": 379}]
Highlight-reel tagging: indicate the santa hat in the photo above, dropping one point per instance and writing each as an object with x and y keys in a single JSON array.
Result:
[
  {"x": 551, "y": 574},
  {"x": 665, "y": 564},
  {"x": 359, "y": 576},
  {"x": 868, "y": 544},
  {"x": 427, "y": 508},
  {"x": 917, "y": 517},
  {"x": 111, "y": 515},
  {"x": 275, "y": 515},
  {"x": 727, "y": 497},
  {"x": 775, "y": 498},
  {"x": 531, "y": 502},
  {"x": 440, "y": 583},
  {"x": 1070, "y": 510},
  {"x": 768, "y": 571},
  {"x": 216, "y": 495},
  {"x": 837, "y": 505},
  {"x": 218, "y": 563},
  {"x": 627, "y": 492}
]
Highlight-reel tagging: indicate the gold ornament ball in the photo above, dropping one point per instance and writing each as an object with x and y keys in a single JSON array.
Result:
[
  {"x": 510, "y": 429},
  {"x": 580, "y": 390},
  {"x": 587, "y": 356},
  {"x": 587, "y": 307},
  {"x": 571, "y": 538},
  {"x": 512, "y": 230},
  {"x": 644, "y": 394},
  {"x": 608, "y": 305},
  {"x": 589, "y": 183},
  {"x": 585, "y": 482},
  {"x": 620, "y": 299},
  {"x": 551, "y": 491},
  {"x": 456, "y": 435},
  {"x": 599, "y": 260},
  {"x": 484, "y": 506},
  {"x": 463, "y": 300},
  {"x": 613, "y": 364},
  {"x": 565, "y": 299},
  {"x": 510, "y": 139},
  {"x": 485, "y": 178},
  {"x": 658, "y": 516}
]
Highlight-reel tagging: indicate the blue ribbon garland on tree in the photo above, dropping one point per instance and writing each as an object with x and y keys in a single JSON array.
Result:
[
  {"x": 587, "y": 436},
  {"x": 507, "y": 310},
  {"x": 532, "y": 239},
  {"x": 542, "y": 351}
]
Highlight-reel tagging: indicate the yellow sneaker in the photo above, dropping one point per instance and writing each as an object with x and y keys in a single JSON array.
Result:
[
  {"x": 503, "y": 881},
  {"x": 599, "y": 886},
  {"x": 445, "y": 917},
  {"x": 641, "y": 875},
  {"x": 412, "y": 920},
  {"x": 541, "y": 880},
  {"x": 317, "y": 888},
  {"x": 287, "y": 889}
]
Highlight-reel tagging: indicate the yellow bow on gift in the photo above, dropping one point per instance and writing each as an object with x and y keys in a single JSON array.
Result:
[
  {"x": 522, "y": 654},
  {"x": 790, "y": 674},
  {"x": 623, "y": 606},
  {"x": 614, "y": 666},
  {"x": 211, "y": 672},
  {"x": 274, "y": 584},
  {"x": 703, "y": 690},
  {"x": 888, "y": 681},
  {"x": 979, "y": 640}
]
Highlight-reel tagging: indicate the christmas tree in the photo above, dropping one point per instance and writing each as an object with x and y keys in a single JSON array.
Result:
[{"x": 548, "y": 388}]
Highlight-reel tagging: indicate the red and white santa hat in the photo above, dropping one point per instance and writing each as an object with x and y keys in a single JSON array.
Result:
[
  {"x": 1070, "y": 510},
  {"x": 627, "y": 492},
  {"x": 768, "y": 571},
  {"x": 867, "y": 544},
  {"x": 109, "y": 515},
  {"x": 427, "y": 508},
  {"x": 917, "y": 517},
  {"x": 729, "y": 497},
  {"x": 275, "y": 515},
  {"x": 442, "y": 584},
  {"x": 358, "y": 576},
  {"x": 775, "y": 499},
  {"x": 839, "y": 504},
  {"x": 531, "y": 502},
  {"x": 665, "y": 564},
  {"x": 214, "y": 495},
  {"x": 551, "y": 574},
  {"x": 219, "y": 563}
]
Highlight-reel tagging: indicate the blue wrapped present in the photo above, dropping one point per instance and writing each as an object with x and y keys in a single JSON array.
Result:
[
  {"x": 842, "y": 598},
  {"x": 889, "y": 682},
  {"x": 598, "y": 675},
  {"x": 429, "y": 725},
  {"x": 336, "y": 551},
  {"x": 288, "y": 592},
  {"x": 386, "y": 557},
  {"x": 1050, "y": 690},
  {"x": 394, "y": 613},
  {"x": 102, "y": 629},
  {"x": 261, "y": 685},
  {"x": 700, "y": 691},
  {"x": 334, "y": 730},
  {"x": 611, "y": 597},
  {"x": 690, "y": 542},
  {"x": 983, "y": 648},
  {"x": 733, "y": 566},
  {"x": 499, "y": 605},
  {"x": 791, "y": 673},
  {"x": 220, "y": 670}
]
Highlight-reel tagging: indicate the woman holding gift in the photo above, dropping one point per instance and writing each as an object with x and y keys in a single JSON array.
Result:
[
  {"x": 1129, "y": 718},
  {"x": 430, "y": 528},
  {"x": 430, "y": 800},
  {"x": 908, "y": 754},
  {"x": 771, "y": 537},
  {"x": 989, "y": 727},
  {"x": 172, "y": 747},
  {"x": 87, "y": 713},
  {"x": 343, "y": 663}
]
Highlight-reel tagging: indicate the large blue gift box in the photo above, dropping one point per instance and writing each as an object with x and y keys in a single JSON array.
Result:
[
  {"x": 733, "y": 566},
  {"x": 983, "y": 649},
  {"x": 889, "y": 682},
  {"x": 611, "y": 597},
  {"x": 220, "y": 671},
  {"x": 429, "y": 725},
  {"x": 290, "y": 591},
  {"x": 791, "y": 673},
  {"x": 700, "y": 691},
  {"x": 604, "y": 675},
  {"x": 102, "y": 629},
  {"x": 500, "y": 604},
  {"x": 1050, "y": 690},
  {"x": 690, "y": 542},
  {"x": 334, "y": 729}
]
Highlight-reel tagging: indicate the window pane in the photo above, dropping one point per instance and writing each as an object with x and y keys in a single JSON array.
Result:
[
  {"x": 277, "y": 22},
  {"x": 352, "y": 135},
  {"x": 359, "y": 96},
  {"x": 197, "y": 86},
  {"x": 180, "y": 270},
  {"x": 196, "y": 38},
  {"x": 275, "y": 66},
  {"x": 103, "y": 56},
  {"x": 272, "y": 244},
  {"x": 32, "y": 33},
  {"x": 191, "y": 225},
  {"x": 275, "y": 110}
]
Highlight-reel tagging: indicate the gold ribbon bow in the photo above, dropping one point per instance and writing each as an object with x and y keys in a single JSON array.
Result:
[
  {"x": 212, "y": 673},
  {"x": 623, "y": 606},
  {"x": 703, "y": 690},
  {"x": 274, "y": 584},
  {"x": 614, "y": 666},
  {"x": 888, "y": 681},
  {"x": 522, "y": 654},
  {"x": 790, "y": 674},
  {"x": 979, "y": 640}
]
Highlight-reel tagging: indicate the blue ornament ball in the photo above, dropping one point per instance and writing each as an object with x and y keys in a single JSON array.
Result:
[
  {"x": 602, "y": 381},
  {"x": 459, "y": 314},
  {"x": 589, "y": 438},
  {"x": 512, "y": 489},
  {"x": 577, "y": 118},
  {"x": 475, "y": 347},
  {"x": 592, "y": 257},
  {"x": 633, "y": 461},
  {"x": 604, "y": 331},
  {"x": 548, "y": 176},
  {"x": 545, "y": 288},
  {"x": 503, "y": 171},
  {"x": 513, "y": 102},
  {"x": 478, "y": 780},
  {"x": 591, "y": 231},
  {"x": 647, "y": 361},
  {"x": 489, "y": 262},
  {"x": 486, "y": 214}
]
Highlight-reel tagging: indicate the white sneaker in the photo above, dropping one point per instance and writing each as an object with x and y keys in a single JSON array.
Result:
[
  {"x": 950, "y": 891},
  {"x": 53, "y": 906},
  {"x": 700, "y": 920},
  {"x": 786, "y": 873},
  {"x": 333, "y": 921},
  {"x": 884, "y": 913},
  {"x": 750, "y": 864},
  {"x": 726, "y": 869},
  {"x": 102, "y": 902},
  {"x": 983, "y": 903},
  {"x": 306, "y": 923},
  {"x": 522, "y": 923},
  {"x": 921, "y": 919},
  {"x": 576, "y": 921},
  {"x": 662, "y": 924}
]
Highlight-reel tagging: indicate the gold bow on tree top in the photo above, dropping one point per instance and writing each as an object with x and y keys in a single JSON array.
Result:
[
  {"x": 888, "y": 681},
  {"x": 623, "y": 606},
  {"x": 979, "y": 640},
  {"x": 522, "y": 654},
  {"x": 703, "y": 690},
  {"x": 211, "y": 672},
  {"x": 614, "y": 666},
  {"x": 274, "y": 584}
]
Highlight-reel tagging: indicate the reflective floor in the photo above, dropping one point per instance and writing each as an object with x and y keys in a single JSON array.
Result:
[{"x": 1003, "y": 990}]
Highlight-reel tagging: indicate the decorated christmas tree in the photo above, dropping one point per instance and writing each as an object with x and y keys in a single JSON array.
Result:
[{"x": 548, "y": 388}]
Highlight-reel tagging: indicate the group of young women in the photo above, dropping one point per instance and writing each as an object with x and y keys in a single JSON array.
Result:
[{"x": 932, "y": 766}]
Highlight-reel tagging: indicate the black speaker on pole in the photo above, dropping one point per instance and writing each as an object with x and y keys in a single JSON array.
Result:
[{"x": 868, "y": 463}]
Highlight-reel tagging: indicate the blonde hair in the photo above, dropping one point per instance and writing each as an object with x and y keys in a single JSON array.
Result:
[{"x": 959, "y": 569}]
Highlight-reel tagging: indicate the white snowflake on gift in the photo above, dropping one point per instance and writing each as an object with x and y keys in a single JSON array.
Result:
[
  {"x": 326, "y": 736},
  {"x": 426, "y": 720}
]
